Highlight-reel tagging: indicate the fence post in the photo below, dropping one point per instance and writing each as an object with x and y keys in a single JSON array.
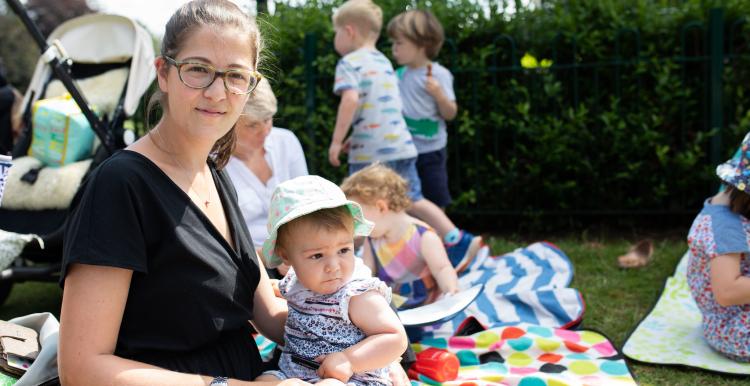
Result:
[
  {"x": 716, "y": 67},
  {"x": 310, "y": 54}
]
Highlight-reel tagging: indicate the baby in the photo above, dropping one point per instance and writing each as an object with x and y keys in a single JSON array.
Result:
[{"x": 337, "y": 319}]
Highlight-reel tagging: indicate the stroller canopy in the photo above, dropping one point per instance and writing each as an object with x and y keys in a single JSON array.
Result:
[{"x": 101, "y": 39}]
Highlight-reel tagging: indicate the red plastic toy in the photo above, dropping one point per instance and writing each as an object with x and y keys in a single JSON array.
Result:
[{"x": 435, "y": 364}]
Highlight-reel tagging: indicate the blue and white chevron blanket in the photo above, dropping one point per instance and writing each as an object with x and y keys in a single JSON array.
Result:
[{"x": 528, "y": 285}]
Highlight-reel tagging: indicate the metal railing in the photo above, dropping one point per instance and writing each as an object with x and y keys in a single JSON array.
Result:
[{"x": 707, "y": 49}]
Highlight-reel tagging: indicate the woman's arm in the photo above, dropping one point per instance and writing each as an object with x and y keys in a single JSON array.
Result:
[
  {"x": 386, "y": 339},
  {"x": 729, "y": 286},
  {"x": 269, "y": 311},
  {"x": 92, "y": 308},
  {"x": 434, "y": 254}
]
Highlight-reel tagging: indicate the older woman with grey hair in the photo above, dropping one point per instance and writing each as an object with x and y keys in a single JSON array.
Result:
[{"x": 264, "y": 157}]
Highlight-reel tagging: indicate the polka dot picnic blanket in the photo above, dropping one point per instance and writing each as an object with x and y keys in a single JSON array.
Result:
[{"x": 532, "y": 355}]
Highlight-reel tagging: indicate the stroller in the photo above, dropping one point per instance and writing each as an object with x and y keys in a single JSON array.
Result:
[{"x": 110, "y": 58}]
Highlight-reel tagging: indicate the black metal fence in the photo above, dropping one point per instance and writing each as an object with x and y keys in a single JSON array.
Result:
[{"x": 708, "y": 49}]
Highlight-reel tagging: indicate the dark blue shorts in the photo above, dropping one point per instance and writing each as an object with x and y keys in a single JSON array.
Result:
[{"x": 433, "y": 173}]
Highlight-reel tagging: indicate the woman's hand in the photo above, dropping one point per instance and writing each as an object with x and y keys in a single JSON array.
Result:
[
  {"x": 275, "y": 286},
  {"x": 397, "y": 375},
  {"x": 335, "y": 365}
]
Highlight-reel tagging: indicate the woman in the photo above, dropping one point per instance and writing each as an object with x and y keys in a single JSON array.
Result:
[
  {"x": 159, "y": 274},
  {"x": 160, "y": 277},
  {"x": 264, "y": 157}
]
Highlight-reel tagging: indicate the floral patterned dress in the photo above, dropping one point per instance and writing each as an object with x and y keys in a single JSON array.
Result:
[
  {"x": 319, "y": 324},
  {"x": 718, "y": 231}
]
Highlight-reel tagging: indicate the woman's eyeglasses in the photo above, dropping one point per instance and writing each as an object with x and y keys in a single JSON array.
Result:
[{"x": 201, "y": 75}]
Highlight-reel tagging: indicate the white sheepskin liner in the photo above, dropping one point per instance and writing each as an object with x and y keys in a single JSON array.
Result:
[
  {"x": 53, "y": 189},
  {"x": 101, "y": 91}
]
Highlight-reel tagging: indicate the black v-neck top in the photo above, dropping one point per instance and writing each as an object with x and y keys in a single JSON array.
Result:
[{"x": 191, "y": 294}]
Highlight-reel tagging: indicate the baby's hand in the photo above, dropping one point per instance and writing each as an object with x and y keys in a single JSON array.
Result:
[
  {"x": 335, "y": 365},
  {"x": 451, "y": 289},
  {"x": 448, "y": 293}
]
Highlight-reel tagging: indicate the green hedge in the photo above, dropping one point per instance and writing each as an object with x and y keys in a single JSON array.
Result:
[{"x": 606, "y": 137}]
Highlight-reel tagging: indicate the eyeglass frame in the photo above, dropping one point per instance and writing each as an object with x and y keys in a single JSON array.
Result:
[{"x": 217, "y": 73}]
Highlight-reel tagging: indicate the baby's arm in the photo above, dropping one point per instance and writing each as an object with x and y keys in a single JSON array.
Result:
[
  {"x": 730, "y": 287},
  {"x": 434, "y": 254},
  {"x": 347, "y": 108},
  {"x": 386, "y": 339}
]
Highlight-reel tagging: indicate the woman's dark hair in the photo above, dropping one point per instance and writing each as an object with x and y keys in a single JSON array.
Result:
[{"x": 188, "y": 18}]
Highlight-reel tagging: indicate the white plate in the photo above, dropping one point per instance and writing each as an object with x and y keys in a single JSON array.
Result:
[{"x": 441, "y": 310}]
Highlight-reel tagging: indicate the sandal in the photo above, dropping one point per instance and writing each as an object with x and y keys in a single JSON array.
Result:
[{"x": 638, "y": 256}]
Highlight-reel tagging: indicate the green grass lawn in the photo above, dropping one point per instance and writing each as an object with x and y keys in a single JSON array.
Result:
[
  {"x": 30, "y": 297},
  {"x": 616, "y": 299}
]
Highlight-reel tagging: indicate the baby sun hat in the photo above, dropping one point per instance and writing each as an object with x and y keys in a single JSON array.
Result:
[
  {"x": 303, "y": 195},
  {"x": 736, "y": 171}
]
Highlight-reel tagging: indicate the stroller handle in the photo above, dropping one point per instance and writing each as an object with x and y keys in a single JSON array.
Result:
[{"x": 62, "y": 71}]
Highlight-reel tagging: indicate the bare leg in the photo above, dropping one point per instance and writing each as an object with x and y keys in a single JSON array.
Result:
[
  {"x": 460, "y": 252},
  {"x": 430, "y": 213}
]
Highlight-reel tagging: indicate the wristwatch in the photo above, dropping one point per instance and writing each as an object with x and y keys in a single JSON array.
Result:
[{"x": 219, "y": 381}]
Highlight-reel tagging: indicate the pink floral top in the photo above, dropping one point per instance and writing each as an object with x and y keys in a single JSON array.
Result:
[{"x": 718, "y": 231}]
